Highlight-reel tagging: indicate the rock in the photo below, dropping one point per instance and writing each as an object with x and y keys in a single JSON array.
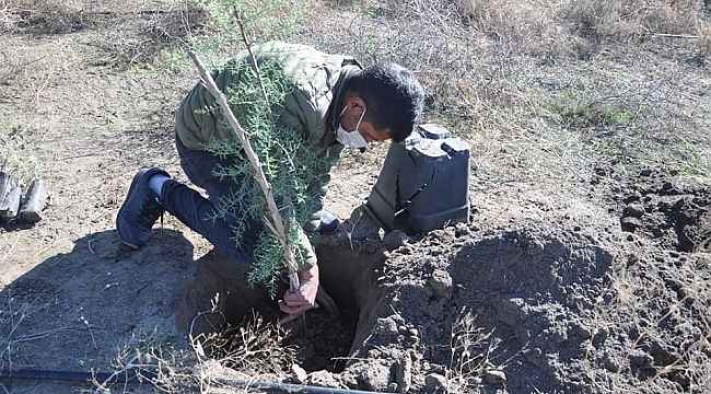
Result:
[
  {"x": 298, "y": 374},
  {"x": 386, "y": 326},
  {"x": 460, "y": 229},
  {"x": 375, "y": 377},
  {"x": 403, "y": 373},
  {"x": 632, "y": 260},
  {"x": 393, "y": 388},
  {"x": 494, "y": 377},
  {"x": 441, "y": 283},
  {"x": 630, "y": 224},
  {"x": 611, "y": 364},
  {"x": 633, "y": 210},
  {"x": 641, "y": 360},
  {"x": 580, "y": 330},
  {"x": 322, "y": 378},
  {"x": 435, "y": 384},
  {"x": 395, "y": 239}
]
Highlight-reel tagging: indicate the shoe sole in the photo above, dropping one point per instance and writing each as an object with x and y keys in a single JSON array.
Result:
[{"x": 134, "y": 182}]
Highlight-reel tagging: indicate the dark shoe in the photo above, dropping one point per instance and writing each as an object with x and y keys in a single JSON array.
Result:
[{"x": 139, "y": 211}]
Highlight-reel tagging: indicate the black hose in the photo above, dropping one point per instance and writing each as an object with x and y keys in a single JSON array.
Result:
[
  {"x": 274, "y": 387},
  {"x": 132, "y": 376}
]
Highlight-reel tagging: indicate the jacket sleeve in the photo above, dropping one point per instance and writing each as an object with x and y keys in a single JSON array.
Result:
[
  {"x": 308, "y": 256},
  {"x": 197, "y": 120}
]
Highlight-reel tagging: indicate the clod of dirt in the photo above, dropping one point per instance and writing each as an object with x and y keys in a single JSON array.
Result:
[
  {"x": 435, "y": 384},
  {"x": 403, "y": 373},
  {"x": 641, "y": 361},
  {"x": 494, "y": 377},
  {"x": 375, "y": 377},
  {"x": 324, "y": 379},
  {"x": 441, "y": 284},
  {"x": 611, "y": 363},
  {"x": 395, "y": 239}
]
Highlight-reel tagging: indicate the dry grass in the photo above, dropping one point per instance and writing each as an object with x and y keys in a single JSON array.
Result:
[
  {"x": 251, "y": 350},
  {"x": 705, "y": 39},
  {"x": 16, "y": 158},
  {"x": 471, "y": 350},
  {"x": 253, "y": 347},
  {"x": 534, "y": 86},
  {"x": 657, "y": 316},
  {"x": 151, "y": 363},
  {"x": 633, "y": 20},
  {"x": 151, "y": 33},
  {"x": 42, "y": 16}
]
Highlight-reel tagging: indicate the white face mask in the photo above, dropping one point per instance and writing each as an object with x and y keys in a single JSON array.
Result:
[{"x": 351, "y": 139}]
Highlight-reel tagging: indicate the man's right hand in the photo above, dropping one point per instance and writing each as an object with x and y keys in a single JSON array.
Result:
[{"x": 297, "y": 302}]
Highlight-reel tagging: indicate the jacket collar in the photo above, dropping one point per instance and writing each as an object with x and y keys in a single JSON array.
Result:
[{"x": 339, "y": 91}]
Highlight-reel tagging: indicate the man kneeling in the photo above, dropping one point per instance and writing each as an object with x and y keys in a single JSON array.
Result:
[{"x": 334, "y": 104}]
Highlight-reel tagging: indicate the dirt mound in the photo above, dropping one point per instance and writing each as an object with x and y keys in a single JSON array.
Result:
[
  {"x": 525, "y": 310},
  {"x": 529, "y": 297}
]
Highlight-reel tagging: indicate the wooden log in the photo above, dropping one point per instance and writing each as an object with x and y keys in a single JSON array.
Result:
[
  {"x": 34, "y": 202},
  {"x": 11, "y": 204},
  {"x": 6, "y": 184}
]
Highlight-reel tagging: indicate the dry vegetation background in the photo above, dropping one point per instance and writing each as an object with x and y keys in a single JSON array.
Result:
[
  {"x": 546, "y": 92},
  {"x": 543, "y": 89}
]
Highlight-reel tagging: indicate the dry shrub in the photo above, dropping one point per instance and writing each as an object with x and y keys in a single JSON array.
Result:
[
  {"x": 705, "y": 39},
  {"x": 140, "y": 37},
  {"x": 7, "y": 17},
  {"x": 471, "y": 348},
  {"x": 531, "y": 24},
  {"x": 633, "y": 19},
  {"x": 44, "y": 16},
  {"x": 253, "y": 346}
]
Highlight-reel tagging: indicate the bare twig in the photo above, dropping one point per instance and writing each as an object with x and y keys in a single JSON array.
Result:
[
  {"x": 239, "y": 17},
  {"x": 675, "y": 35}
]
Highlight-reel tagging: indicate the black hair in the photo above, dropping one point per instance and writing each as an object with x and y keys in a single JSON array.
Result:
[{"x": 393, "y": 96}]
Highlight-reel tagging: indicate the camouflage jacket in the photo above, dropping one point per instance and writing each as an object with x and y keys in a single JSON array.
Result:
[{"x": 310, "y": 109}]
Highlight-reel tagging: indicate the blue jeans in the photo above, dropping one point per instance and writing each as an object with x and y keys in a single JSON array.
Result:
[{"x": 197, "y": 212}]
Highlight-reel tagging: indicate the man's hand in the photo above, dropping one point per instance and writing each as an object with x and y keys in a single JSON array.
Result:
[{"x": 298, "y": 302}]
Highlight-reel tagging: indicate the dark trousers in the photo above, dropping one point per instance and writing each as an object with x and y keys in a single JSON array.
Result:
[
  {"x": 198, "y": 212},
  {"x": 218, "y": 293}
]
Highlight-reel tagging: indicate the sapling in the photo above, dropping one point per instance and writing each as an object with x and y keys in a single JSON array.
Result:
[{"x": 292, "y": 170}]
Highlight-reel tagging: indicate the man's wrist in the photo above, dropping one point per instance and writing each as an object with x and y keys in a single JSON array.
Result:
[{"x": 310, "y": 273}]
